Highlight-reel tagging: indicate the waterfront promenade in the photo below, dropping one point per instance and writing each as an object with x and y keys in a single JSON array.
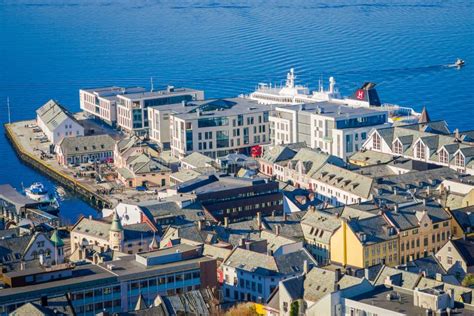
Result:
[{"x": 36, "y": 153}]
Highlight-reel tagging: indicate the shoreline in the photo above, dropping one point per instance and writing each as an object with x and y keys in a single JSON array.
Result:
[{"x": 86, "y": 193}]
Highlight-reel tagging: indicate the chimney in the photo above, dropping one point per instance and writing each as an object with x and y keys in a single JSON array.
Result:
[
  {"x": 90, "y": 217},
  {"x": 395, "y": 208},
  {"x": 456, "y": 134},
  {"x": 395, "y": 191},
  {"x": 367, "y": 274},
  {"x": 305, "y": 267},
  {"x": 273, "y": 214},
  {"x": 259, "y": 220},
  {"x": 242, "y": 242},
  {"x": 439, "y": 277},
  {"x": 277, "y": 229},
  {"x": 226, "y": 222},
  {"x": 22, "y": 265},
  {"x": 424, "y": 202},
  {"x": 44, "y": 300},
  {"x": 338, "y": 275},
  {"x": 199, "y": 224}
]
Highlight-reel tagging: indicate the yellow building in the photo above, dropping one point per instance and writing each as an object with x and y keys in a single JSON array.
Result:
[
  {"x": 423, "y": 228},
  {"x": 365, "y": 242}
]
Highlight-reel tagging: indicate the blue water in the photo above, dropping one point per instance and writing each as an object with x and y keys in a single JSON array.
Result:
[{"x": 50, "y": 49}]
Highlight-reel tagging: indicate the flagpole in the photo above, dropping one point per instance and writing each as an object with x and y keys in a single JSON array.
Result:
[{"x": 8, "y": 107}]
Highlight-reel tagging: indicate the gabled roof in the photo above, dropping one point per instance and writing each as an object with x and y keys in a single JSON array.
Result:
[
  {"x": 86, "y": 144},
  {"x": 53, "y": 114},
  {"x": 197, "y": 160},
  {"x": 376, "y": 229},
  {"x": 278, "y": 153},
  {"x": 465, "y": 248}
]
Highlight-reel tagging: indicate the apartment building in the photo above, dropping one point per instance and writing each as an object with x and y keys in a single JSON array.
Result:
[
  {"x": 364, "y": 242},
  {"x": 132, "y": 108},
  {"x": 423, "y": 228},
  {"x": 228, "y": 198},
  {"x": 336, "y": 129},
  {"x": 216, "y": 128},
  {"x": 431, "y": 142},
  {"x": 252, "y": 276},
  {"x": 115, "y": 286},
  {"x": 101, "y": 103}
]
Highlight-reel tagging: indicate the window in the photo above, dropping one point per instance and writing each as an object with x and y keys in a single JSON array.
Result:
[
  {"x": 397, "y": 147},
  {"x": 376, "y": 142},
  {"x": 443, "y": 156},
  {"x": 449, "y": 260},
  {"x": 420, "y": 150},
  {"x": 459, "y": 160}
]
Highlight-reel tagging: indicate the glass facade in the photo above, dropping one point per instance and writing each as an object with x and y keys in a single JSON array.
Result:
[
  {"x": 362, "y": 121},
  {"x": 222, "y": 139},
  {"x": 167, "y": 100},
  {"x": 213, "y": 121}
]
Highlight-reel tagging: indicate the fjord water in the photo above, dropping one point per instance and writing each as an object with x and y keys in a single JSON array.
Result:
[{"x": 50, "y": 49}]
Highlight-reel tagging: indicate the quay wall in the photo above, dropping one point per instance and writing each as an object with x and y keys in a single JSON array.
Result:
[{"x": 73, "y": 185}]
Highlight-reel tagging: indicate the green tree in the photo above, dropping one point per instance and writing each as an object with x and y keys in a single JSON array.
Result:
[
  {"x": 468, "y": 280},
  {"x": 294, "y": 308}
]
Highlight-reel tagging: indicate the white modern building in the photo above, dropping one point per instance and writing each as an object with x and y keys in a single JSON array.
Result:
[
  {"x": 102, "y": 102},
  {"x": 56, "y": 122},
  {"x": 132, "y": 108},
  {"x": 336, "y": 129},
  {"x": 216, "y": 128}
]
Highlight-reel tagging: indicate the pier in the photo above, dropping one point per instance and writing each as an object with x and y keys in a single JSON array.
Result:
[{"x": 37, "y": 157}]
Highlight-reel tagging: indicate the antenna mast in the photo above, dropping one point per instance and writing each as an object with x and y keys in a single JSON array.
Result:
[
  {"x": 8, "y": 107},
  {"x": 151, "y": 83}
]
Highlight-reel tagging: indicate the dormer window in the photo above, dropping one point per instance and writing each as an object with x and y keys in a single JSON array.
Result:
[
  {"x": 459, "y": 160},
  {"x": 397, "y": 147},
  {"x": 376, "y": 142},
  {"x": 420, "y": 152},
  {"x": 443, "y": 156}
]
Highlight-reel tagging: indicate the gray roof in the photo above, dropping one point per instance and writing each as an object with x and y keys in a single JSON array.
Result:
[
  {"x": 409, "y": 217},
  {"x": 10, "y": 196},
  {"x": 157, "y": 94},
  {"x": 278, "y": 153},
  {"x": 346, "y": 180},
  {"x": 405, "y": 279},
  {"x": 319, "y": 226},
  {"x": 87, "y": 144},
  {"x": 465, "y": 247},
  {"x": 222, "y": 107},
  {"x": 197, "y": 160},
  {"x": 375, "y": 228},
  {"x": 333, "y": 110},
  {"x": 13, "y": 249},
  {"x": 53, "y": 114},
  {"x": 290, "y": 225}
]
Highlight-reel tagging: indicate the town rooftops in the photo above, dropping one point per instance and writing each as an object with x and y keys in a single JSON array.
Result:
[
  {"x": 372, "y": 230},
  {"x": 410, "y": 216},
  {"x": 214, "y": 183},
  {"x": 197, "y": 160},
  {"x": 86, "y": 144},
  {"x": 53, "y": 114},
  {"x": 465, "y": 247},
  {"x": 276, "y": 153}
]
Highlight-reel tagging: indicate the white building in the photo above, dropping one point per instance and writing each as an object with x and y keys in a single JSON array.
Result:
[
  {"x": 132, "y": 108},
  {"x": 102, "y": 102},
  {"x": 56, "y": 122},
  {"x": 252, "y": 276},
  {"x": 336, "y": 129},
  {"x": 216, "y": 128}
]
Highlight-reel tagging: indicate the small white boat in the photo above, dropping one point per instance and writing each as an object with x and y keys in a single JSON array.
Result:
[
  {"x": 39, "y": 193},
  {"x": 459, "y": 62},
  {"x": 61, "y": 192}
]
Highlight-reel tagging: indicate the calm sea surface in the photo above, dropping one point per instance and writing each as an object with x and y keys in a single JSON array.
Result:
[{"x": 50, "y": 49}]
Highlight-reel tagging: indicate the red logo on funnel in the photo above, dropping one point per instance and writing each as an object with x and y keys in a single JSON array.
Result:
[{"x": 360, "y": 94}]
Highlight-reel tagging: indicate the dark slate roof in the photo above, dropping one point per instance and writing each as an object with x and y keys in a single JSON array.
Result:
[
  {"x": 137, "y": 231},
  {"x": 293, "y": 262},
  {"x": 465, "y": 217},
  {"x": 465, "y": 249},
  {"x": 295, "y": 287},
  {"x": 429, "y": 265},
  {"x": 375, "y": 228},
  {"x": 408, "y": 217},
  {"x": 12, "y": 249},
  {"x": 291, "y": 227},
  {"x": 236, "y": 231}
]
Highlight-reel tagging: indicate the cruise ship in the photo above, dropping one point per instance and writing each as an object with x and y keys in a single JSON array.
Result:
[{"x": 366, "y": 96}]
